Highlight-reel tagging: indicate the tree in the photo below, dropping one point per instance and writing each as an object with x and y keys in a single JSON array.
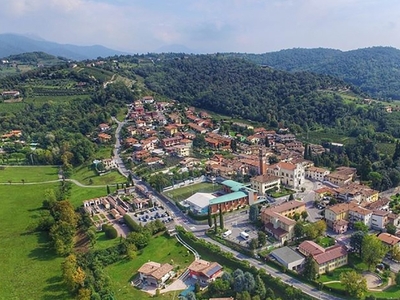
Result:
[
  {"x": 253, "y": 213},
  {"x": 253, "y": 244},
  {"x": 391, "y": 229},
  {"x": 310, "y": 270},
  {"x": 355, "y": 284},
  {"x": 215, "y": 224},
  {"x": 360, "y": 226},
  {"x": 320, "y": 227},
  {"x": 396, "y": 154},
  {"x": 108, "y": 190},
  {"x": 299, "y": 230},
  {"x": 249, "y": 283},
  {"x": 84, "y": 294},
  {"x": 238, "y": 280},
  {"x": 291, "y": 197},
  {"x": 260, "y": 289},
  {"x": 262, "y": 238},
  {"x": 372, "y": 250},
  {"x": 209, "y": 217},
  {"x": 304, "y": 215},
  {"x": 267, "y": 144},
  {"x": 365, "y": 168},
  {"x": 221, "y": 218},
  {"x": 273, "y": 160},
  {"x": 219, "y": 287},
  {"x": 398, "y": 279},
  {"x": 356, "y": 241},
  {"x": 296, "y": 216},
  {"x": 109, "y": 231},
  {"x": 395, "y": 252}
]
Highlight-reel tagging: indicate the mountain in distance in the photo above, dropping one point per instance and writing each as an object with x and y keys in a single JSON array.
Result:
[
  {"x": 374, "y": 70},
  {"x": 12, "y": 44}
]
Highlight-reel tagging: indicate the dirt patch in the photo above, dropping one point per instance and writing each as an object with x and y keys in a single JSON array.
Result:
[
  {"x": 373, "y": 280},
  {"x": 81, "y": 242}
]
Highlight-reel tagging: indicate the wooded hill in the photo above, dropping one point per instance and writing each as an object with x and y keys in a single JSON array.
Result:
[
  {"x": 375, "y": 70},
  {"x": 239, "y": 88}
]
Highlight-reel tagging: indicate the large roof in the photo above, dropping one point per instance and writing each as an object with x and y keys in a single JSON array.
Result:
[
  {"x": 233, "y": 185},
  {"x": 286, "y": 255},
  {"x": 331, "y": 253},
  {"x": 208, "y": 269},
  {"x": 228, "y": 197},
  {"x": 200, "y": 200},
  {"x": 155, "y": 269},
  {"x": 389, "y": 239}
]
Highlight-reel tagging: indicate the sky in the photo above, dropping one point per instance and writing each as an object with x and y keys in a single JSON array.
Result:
[{"x": 207, "y": 26}]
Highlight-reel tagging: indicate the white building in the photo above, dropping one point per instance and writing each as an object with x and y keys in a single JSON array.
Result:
[
  {"x": 289, "y": 258},
  {"x": 360, "y": 214},
  {"x": 292, "y": 175},
  {"x": 198, "y": 203},
  {"x": 380, "y": 218},
  {"x": 264, "y": 183},
  {"x": 317, "y": 173}
]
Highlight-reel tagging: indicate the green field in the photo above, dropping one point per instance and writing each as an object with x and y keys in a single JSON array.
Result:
[
  {"x": 187, "y": 191},
  {"x": 28, "y": 174},
  {"x": 30, "y": 269},
  {"x": 87, "y": 176},
  {"x": 78, "y": 194},
  {"x": 161, "y": 249}
]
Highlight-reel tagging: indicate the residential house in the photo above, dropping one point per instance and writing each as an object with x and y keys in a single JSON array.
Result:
[
  {"x": 285, "y": 138},
  {"x": 264, "y": 183},
  {"x": 168, "y": 142},
  {"x": 389, "y": 240},
  {"x": 171, "y": 130},
  {"x": 205, "y": 271},
  {"x": 323, "y": 192},
  {"x": 380, "y": 218},
  {"x": 156, "y": 274},
  {"x": 148, "y": 99},
  {"x": 316, "y": 173},
  {"x": 197, "y": 128},
  {"x": 342, "y": 176},
  {"x": 182, "y": 150},
  {"x": 350, "y": 212},
  {"x": 277, "y": 222},
  {"x": 104, "y": 137},
  {"x": 104, "y": 127},
  {"x": 327, "y": 259}
]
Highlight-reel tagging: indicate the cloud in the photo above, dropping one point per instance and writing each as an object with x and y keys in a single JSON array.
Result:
[{"x": 207, "y": 25}]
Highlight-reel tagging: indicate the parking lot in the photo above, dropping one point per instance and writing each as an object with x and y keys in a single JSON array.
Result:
[
  {"x": 152, "y": 214},
  {"x": 238, "y": 227}
]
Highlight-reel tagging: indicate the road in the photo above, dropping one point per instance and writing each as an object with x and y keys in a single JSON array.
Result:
[{"x": 199, "y": 229}]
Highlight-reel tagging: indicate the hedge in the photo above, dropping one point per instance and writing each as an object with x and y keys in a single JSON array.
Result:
[
  {"x": 227, "y": 259},
  {"x": 110, "y": 231},
  {"x": 132, "y": 224}
]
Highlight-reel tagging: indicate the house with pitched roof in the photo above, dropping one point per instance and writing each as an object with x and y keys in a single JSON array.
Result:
[
  {"x": 389, "y": 240},
  {"x": 205, "y": 271},
  {"x": 156, "y": 274},
  {"x": 327, "y": 259},
  {"x": 277, "y": 219}
]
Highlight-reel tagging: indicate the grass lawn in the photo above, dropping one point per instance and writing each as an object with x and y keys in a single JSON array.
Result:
[
  {"x": 187, "y": 191},
  {"x": 78, "y": 194},
  {"x": 281, "y": 193},
  {"x": 87, "y": 176},
  {"x": 104, "y": 152},
  {"x": 29, "y": 174},
  {"x": 326, "y": 241},
  {"x": 335, "y": 274},
  {"x": 392, "y": 292},
  {"x": 161, "y": 249},
  {"x": 30, "y": 270}
]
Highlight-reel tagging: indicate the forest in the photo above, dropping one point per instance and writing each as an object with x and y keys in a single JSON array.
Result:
[
  {"x": 301, "y": 101},
  {"x": 375, "y": 70}
]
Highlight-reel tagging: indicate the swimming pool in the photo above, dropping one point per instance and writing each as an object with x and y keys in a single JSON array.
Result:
[{"x": 187, "y": 291}]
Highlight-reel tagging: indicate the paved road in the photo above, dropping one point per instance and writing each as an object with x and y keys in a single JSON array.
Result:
[{"x": 199, "y": 229}]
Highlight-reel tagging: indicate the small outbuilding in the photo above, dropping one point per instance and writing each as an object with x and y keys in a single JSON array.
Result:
[{"x": 288, "y": 258}]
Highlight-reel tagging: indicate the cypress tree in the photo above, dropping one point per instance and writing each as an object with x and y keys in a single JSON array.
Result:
[
  {"x": 215, "y": 224},
  {"x": 221, "y": 217},
  {"x": 108, "y": 190},
  {"x": 209, "y": 217}
]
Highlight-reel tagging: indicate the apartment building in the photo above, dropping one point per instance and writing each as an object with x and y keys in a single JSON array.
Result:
[
  {"x": 277, "y": 219},
  {"x": 264, "y": 183}
]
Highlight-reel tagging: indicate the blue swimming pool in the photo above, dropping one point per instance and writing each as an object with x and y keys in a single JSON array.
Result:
[{"x": 188, "y": 290}]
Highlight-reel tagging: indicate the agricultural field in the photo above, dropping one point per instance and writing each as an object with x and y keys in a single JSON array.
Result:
[
  {"x": 30, "y": 269},
  {"x": 121, "y": 273},
  {"x": 183, "y": 193},
  {"x": 28, "y": 174}
]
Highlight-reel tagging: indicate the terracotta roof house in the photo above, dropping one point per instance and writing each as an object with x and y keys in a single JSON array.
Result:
[
  {"x": 153, "y": 273},
  {"x": 389, "y": 240},
  {"x": 277, "y": 222},
  {"x": 104, "y": 137},
  {"x": 205, "y": 271},
  {"x": 327, "y": 259}
]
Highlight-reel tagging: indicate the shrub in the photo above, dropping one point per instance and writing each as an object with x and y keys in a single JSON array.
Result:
[
  {"x": 110, "y": 231},
  {"x": 132, "y": 224}
]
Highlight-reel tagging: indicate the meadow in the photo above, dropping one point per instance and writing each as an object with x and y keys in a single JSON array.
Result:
[
  {"x": 28, "y": 174},
  {"x": 30, "y": 268},
  {"x": 162, "y": 249}
]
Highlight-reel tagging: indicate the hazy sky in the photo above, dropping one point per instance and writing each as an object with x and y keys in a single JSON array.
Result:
[{"x": 207, "y": 25}]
